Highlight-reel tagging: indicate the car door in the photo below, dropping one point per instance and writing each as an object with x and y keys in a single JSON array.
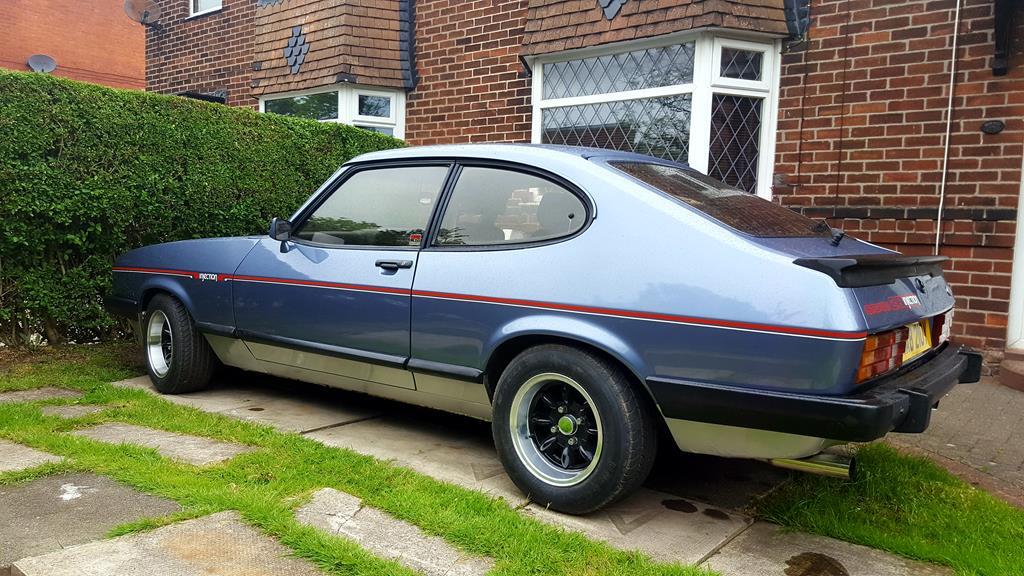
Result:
[{"x": 336, "y": 297}]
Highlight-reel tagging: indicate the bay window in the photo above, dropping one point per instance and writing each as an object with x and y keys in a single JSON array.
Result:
[{"x": 703, "y": 99}]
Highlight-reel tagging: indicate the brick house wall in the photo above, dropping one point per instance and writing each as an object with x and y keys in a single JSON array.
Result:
[
  {"x": 473, "y": 86},
  {"x": 208, "y": 54},
  {"x": 861, "y": 129},
  {"x": 91, "y": 41}
]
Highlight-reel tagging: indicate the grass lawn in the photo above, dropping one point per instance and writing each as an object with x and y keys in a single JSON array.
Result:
[
  {"x": 266, "y": 485},
  {"x": 909, "y": 506}
]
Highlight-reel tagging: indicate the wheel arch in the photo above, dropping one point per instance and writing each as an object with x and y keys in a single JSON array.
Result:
[
  {"x": 162, "y": 285},
  {"x": 559, "y": 330}
]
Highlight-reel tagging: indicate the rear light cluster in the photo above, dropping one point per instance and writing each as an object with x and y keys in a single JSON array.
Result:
[
  {"x": 940, "y": 328},
  {"x": 882, "y": 353}
]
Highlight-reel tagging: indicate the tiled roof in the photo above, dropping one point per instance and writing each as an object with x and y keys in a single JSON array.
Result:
[
  {"x": 359, "y": 41},
  {"x": 556, "y": 25}
]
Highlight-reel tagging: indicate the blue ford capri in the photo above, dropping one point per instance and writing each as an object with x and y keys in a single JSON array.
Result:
[{"x": 587, "y": 302}]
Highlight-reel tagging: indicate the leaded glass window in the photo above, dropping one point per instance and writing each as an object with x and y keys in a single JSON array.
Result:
[
  {"x": 653, "y": 126},
  {"x": 706, "y": 101},
  {"x": 735, "y": 140},
  {"x": 637, "y": 70}
]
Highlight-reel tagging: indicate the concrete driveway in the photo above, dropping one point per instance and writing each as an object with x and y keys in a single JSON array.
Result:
[{"x": 692, "y": 510}]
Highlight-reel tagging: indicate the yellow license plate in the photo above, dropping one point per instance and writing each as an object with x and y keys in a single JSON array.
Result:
[{"x": 919, "y": 340}]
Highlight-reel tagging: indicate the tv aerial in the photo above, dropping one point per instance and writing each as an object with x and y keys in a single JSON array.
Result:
[
  {"x": 145, "y": 12},
  {"x": 42, "y": 63}
]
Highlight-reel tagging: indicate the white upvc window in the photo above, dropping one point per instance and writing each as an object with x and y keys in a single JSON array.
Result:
[
  {"x": 198, "y": 7},
  {"x": 708, "y": 99},
  {"x": 376, "y": 109}
]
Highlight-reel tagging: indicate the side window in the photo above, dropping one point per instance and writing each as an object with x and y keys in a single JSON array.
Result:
[
  {"x": 491, "y": 206},
  {"x": 377, "y": 207}
]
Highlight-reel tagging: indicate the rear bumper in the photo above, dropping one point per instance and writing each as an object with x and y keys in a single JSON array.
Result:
[{"x": 902, "y": 403}]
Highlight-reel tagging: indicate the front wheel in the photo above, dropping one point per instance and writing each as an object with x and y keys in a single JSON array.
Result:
[
  {"x": 571, "y": 429},
  {"x": 178, "y": 358}
]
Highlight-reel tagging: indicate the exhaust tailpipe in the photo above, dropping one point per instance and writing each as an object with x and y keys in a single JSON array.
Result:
[{"x": 823, "y": 464}]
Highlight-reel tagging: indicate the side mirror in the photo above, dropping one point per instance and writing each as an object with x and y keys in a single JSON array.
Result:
[{"x": 280, "y": 229}]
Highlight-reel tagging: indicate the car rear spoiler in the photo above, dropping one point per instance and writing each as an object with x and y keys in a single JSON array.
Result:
[{"x": 873, "y": 269}]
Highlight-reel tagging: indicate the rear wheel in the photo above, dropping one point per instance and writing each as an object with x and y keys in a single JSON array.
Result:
[
  {"x": 178, "y": 357},
  {"x": 571, "y": 429}
]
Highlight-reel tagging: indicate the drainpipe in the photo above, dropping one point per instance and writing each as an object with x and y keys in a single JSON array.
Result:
[{"x": 949, "y": 125}]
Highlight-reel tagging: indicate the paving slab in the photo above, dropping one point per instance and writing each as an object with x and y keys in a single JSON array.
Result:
[
  {"x": 765, "y": 548},
  {"x": 666, "y": 526},
  {"x": 342, "y": 514},
  {"x": 219, "y": 544},
  {"x": 191, "y": 449},
  {"x": 14, "y": 457},
  {"x": 55, "y": 512},
  {"x": 461, "y": 454},
  {"x": 36, "y": 394},
  {"x": 73, "y": 410},
  {"x": 251, "y": 397}
]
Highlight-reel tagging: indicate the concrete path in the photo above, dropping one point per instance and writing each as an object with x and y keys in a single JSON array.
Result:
[
  {"x": 978, "y": 427},
  {"x": 764, "y": 549},
  {"x": 15, "y": 457},
  {"x": 60, "y": 511},
  {"x": 72, "y": 410},
  {"x": 191, "y": 449},
  {"x": 219, "y": 544},
  {"x": 37, "y": 394},
  {"x": 267, "y": 401},
  {"x": 344, "y": 515},
  {"x": 665, "y": 526},
  {"x": 690, "y": 512}
]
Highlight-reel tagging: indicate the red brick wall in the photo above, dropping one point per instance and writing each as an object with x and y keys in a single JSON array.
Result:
[
  {"x": 91, "y": 41},
  {"x": 206, "y": 53},
  {"x": 473, "y": 87},
  {"x": 862, "y": 121}
]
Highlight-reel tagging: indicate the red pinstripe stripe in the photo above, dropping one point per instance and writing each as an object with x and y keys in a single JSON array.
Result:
[
  {"x": 157, "y": 271},
  {"x": 647, "y": 315},
  {"x": 794, "y": 330}
]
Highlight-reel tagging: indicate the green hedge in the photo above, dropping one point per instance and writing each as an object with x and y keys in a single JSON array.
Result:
[{"x": 88, "y": 173}]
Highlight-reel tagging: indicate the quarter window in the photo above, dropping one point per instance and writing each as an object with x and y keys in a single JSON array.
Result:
[
  {"x": 491, "y": 206},
  {"x": 379, "y": 207},
  {"x": 705, "y": 100}
]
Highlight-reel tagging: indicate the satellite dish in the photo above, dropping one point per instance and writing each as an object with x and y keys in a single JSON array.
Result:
[
  {"x": 42, "y": 63},
  {"x": 145, "y": 12}
]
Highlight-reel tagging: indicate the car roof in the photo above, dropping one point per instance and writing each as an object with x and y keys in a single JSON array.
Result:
[{"x": 525, "y": 153}]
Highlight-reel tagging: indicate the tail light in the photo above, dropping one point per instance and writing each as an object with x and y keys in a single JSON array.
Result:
[
  {"x": 940, "y": 328},
  {"x": 883, "y": 352}
]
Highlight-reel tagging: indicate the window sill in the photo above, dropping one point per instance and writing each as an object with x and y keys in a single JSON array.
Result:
[{"x": 205, "y": 13}]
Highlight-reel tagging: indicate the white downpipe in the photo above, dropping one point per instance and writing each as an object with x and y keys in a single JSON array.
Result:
[{"x": 949, "y": 125}]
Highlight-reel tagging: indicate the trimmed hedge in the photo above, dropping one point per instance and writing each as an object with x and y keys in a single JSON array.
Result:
[{"x": 88, "y": 173}]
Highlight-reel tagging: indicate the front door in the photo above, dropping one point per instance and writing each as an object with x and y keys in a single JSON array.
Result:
[{"x": 336, "y": 297}]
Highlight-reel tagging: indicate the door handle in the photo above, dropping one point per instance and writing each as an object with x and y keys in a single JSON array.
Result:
[{"x": 393, "y": 264}]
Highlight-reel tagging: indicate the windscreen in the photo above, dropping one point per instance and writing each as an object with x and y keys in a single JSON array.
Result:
[{"x": 735, "y": 208}]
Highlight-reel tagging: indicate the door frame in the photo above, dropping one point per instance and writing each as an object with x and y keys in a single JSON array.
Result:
[{"x": 1015, "y": 321}]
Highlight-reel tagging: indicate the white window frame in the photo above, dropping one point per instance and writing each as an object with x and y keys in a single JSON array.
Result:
[
  {"x": 706, "y": 81},
  {"x": 348, "y": 105},
  {"x": 192, "y": 7}
]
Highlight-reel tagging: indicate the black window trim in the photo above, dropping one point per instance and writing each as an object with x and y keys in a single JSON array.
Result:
[
  {"x": 442, "y": 206},
  {"x": 355, "y": 168}
]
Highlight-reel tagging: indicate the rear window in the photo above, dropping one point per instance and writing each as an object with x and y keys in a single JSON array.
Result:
[{"x": 736, "y": 208}]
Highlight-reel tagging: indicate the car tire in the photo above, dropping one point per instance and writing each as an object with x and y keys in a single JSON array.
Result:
[
  {"x": 576, "y": 404},
  {"x": 178, "y": 357}
]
